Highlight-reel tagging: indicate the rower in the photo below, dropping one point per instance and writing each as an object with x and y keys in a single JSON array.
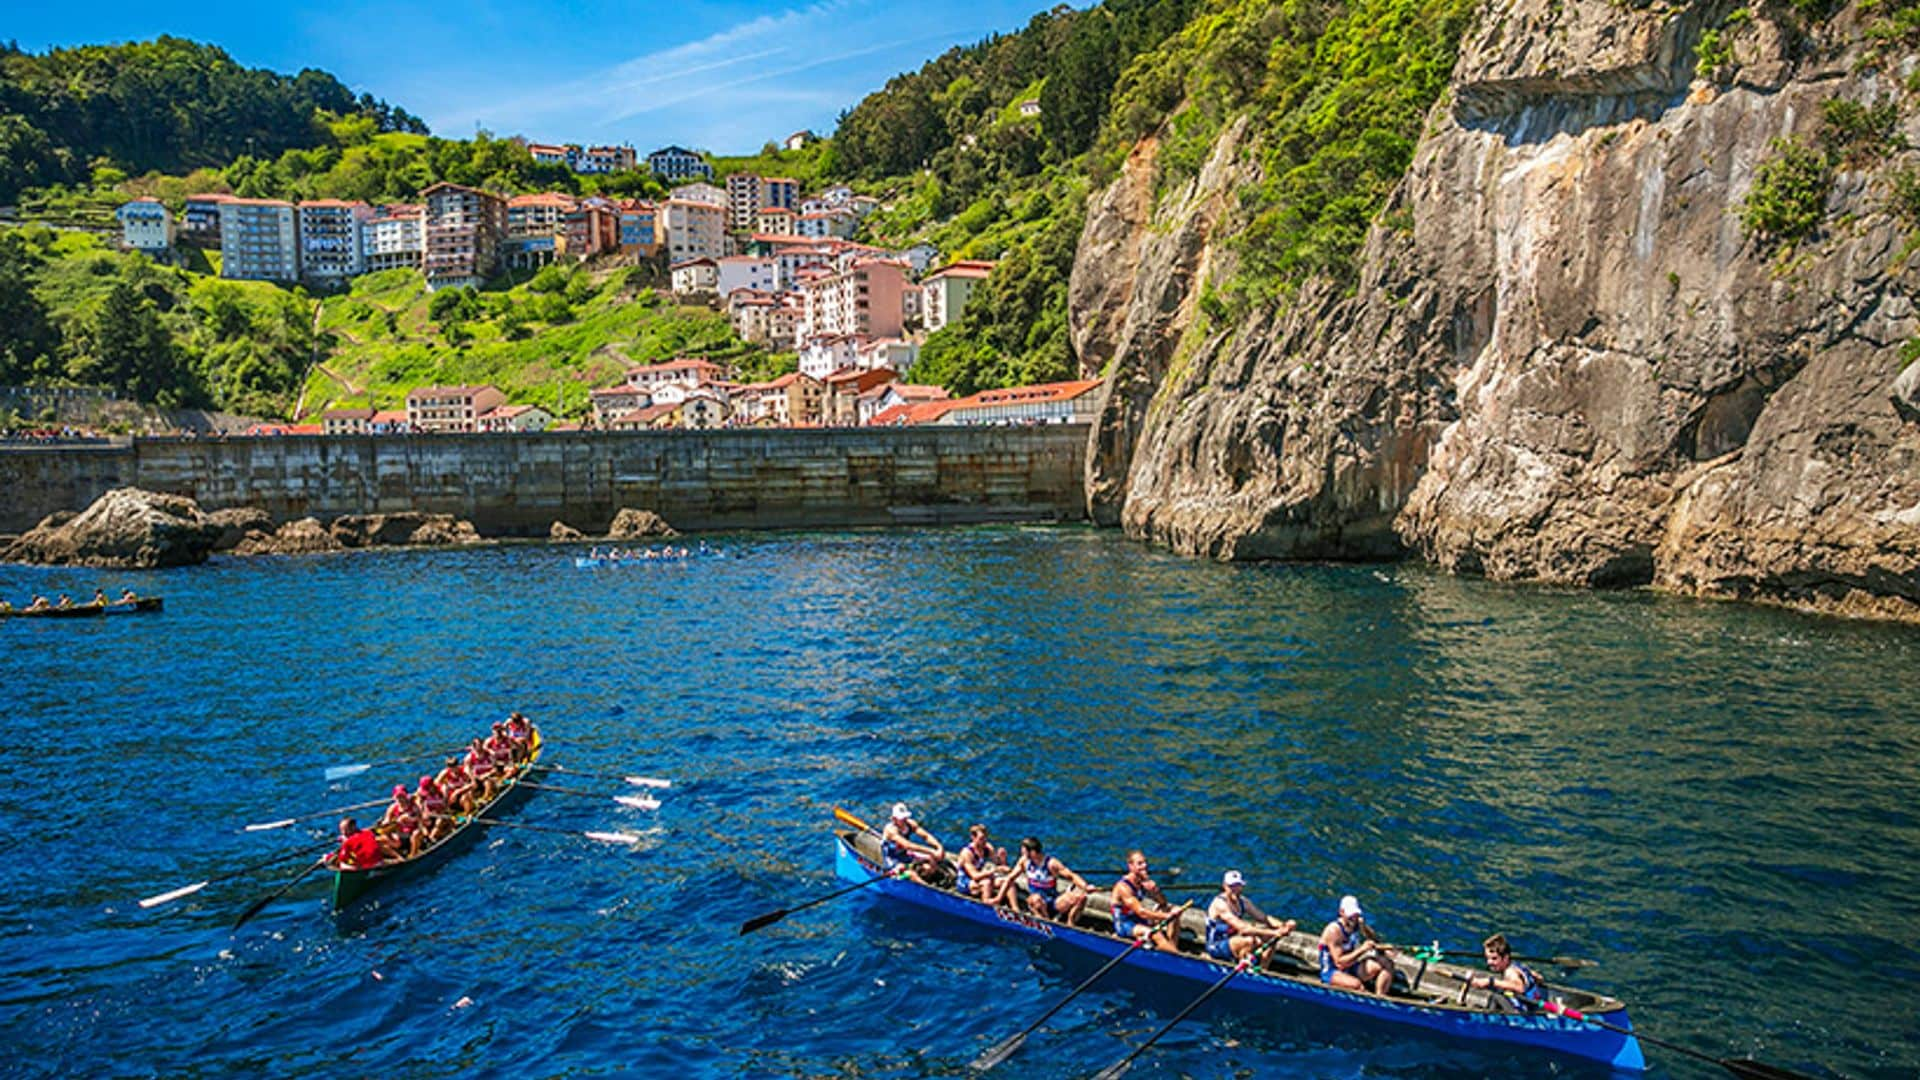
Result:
[
  {"x": 127, "y": 596},
  {"x": 505, "y": 753},
  {"x": 480, "y": 767},
  {"x": 1235, "y": 924},
  {"x": 1043, "y": 874},
  {"x": 1508, "y": 976},
  {"x": 1137, "y": 902},
  {"x": 981, "y": 867},
  {"x": 520, "y": 730},
  {"x": 436, "y": 814},
  {"x": 359, "y": 848},
  {"x": 404, "y": 824},
  {"x": 100, "y": 597},
  {"x": 898, "y": 847},
  {"x": 39, "y": 603},
  {"x": 1349, "y": 958},
  {"x": 455, "y": 784},
  {"x": 64, "y": 602}
]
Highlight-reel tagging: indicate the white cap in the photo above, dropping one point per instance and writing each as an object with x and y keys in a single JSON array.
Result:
[
  {"x": 1233, "y": 878},
  {"x": 1349, "y": 905},
  {"x": 900, "y": 812}
]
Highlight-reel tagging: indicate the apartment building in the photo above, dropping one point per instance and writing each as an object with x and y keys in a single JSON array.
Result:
[
  {"x": 554, "y": 154},
  {"x": 606, "y": 159},
  {"x": 678, "y": 163},
  {"x": 683, "y": 372},
  {"x": 395, "y": 239},
  {"x": 700, "y": 191},
  {"x": 613, "y": 402},
  {"x": 823, "y": 354},
  {"x": 779, "y": 193},
  {"x": 146, "y": 225},
  {"x": 756, "y": 272},
  {"x": 791, "y": 400},
  {"x": 200, "y": 220},
  {"x": 948, "y": 289},
  {"x": 693, "y": 230},
  {"x": 639, "y": 234},
  {"x": 790, "y": 261},
  {"x": 1049, "y": 403},
  {"x": 515, "y": 418},
  {"x": 451, "y": 409},
  {"x": 345, "y": 421},
  {"x": 895, "y": 354},
  {"x": 774, "y": 221},
  {"x": 840, "y": 405},
  {"x": 763, "y": 318},
  {"x": 535, "y": 226},
  {"x": 333, "y": 240},
  {"x": 695, "y": 276},
  {"x": 863, "y": 300},
  {"x": 743, "y": 201},
  {"x": 465, "y": 228},
  {"x": 592, "y": 228},
  {"x": 820, "y": 224},
  {"x": 259, "y": 240}
]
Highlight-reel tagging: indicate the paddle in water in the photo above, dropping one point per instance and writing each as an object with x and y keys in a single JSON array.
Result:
[
  {"x": 260, "y": 904},
  {"x": 341, "y": 772},
  {"x": 591, "y": 834},
  {"x": 771, "y": 917},
  {"x": 1253, "y": 959},
  {"x": 188, "y": 890},
  {"x": 264, "y": 826},
  {"x": 636, "y": 781},
  {"x": 638, "y": 802},
  {"x": 1004, "y": 1049},
  {"x": 1747, "y": 1068}
]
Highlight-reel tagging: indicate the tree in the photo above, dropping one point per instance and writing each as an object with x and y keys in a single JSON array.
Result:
[
  {"x": 26, "y": 338},
  {"x": 1079, "y": 78}
]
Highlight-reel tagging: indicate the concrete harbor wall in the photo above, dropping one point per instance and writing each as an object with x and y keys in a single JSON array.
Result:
[{"x": 512, "y": 485}]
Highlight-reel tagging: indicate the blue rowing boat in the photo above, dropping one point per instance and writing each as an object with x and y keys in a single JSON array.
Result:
[{"x": 1432, "y": 998}]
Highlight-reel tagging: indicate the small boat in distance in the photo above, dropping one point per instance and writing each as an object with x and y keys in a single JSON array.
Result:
[
  {"x": 351, "y": 885},
  {"x": 1432, "y": 998},
  {"x": 138, "y": 606}
]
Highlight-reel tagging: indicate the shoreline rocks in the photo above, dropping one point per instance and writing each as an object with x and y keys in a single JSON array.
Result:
[
  {"x": 126, "y": 528},
  {"x": 631, "y": 524}
]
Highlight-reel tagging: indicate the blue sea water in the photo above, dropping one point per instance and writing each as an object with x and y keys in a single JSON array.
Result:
[{"x": 1716, "y": 803}]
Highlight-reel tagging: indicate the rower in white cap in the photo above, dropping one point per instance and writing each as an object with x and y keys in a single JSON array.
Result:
[
  {"x": 924, "y": 858},
  {"x": 1349, "y": 957},
  {"x": 1235, "y": 924}
]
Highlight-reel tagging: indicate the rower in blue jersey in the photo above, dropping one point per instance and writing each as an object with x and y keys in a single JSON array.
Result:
[
  {"x": 1138, "y": 904},
  {"x": 904, "y": 843},
  {"x": 1044, "y": 875},
  {"x": 1235, "y": 924},
  {"x": 1349, "y": 957},
  {"x": 981, "y": 866},
  {"x": 1508, "y": 976}
]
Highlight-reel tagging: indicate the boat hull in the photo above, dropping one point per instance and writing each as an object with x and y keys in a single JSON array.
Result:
[
  {"x": 349, "y": 886},
  {"x": 88, "y": 611},
  {"x": 1541, "y": 1032}
]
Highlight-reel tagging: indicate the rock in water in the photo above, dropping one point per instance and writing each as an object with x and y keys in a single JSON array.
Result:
[
  {"x": 630, "y": 524},
  {"x": 563, "y": 531},
  {"x": 304, "y": 537},
  {"x": 125, "y": 528},
  {"x": 407, "y": 527},
  {"x": 237, "y": 523}
]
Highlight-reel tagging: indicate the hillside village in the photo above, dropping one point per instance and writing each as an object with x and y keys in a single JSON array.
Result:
[{"x": 781, "y": 263}]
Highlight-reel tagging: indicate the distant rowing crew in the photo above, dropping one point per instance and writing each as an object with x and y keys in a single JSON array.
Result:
[
  {"x": 415, "y": 821},
  {"x": 65, "y": 602},
  {"x": 1351, "y": 957}
]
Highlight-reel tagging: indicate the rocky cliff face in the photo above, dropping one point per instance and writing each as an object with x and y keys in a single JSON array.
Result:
[{"x": 1567, "y": 358}]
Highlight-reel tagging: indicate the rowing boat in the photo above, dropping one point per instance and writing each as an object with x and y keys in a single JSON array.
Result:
[
  {"x": 83, "y": 611},
  {"x": 1428, "y": 998},
  {"x": 351, "y": 885}
]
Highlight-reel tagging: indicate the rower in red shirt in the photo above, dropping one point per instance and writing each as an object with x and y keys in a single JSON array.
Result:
[{"x": 359, "y": 848}]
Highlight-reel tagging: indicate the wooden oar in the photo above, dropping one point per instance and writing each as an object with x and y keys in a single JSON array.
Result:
[
  {"x": 1119, "y": 1068},
  {"x": 638, "y": 802},
  {"x": 276, "y": 894},
  {"x": 341, "y": 772},
  {"x": 263, "y": 826},
  {"x": 1747, "y": 1068},
  {"x": 603, "y": 837},
  {"x": 771, "y": 917},
  {"x": 188, "y": 890},
  {"x": 1004, "y": 1049},
  {"x": 636, "y": 781}
]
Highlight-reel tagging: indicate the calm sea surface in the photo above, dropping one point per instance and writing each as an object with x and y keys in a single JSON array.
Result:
[{"x": 1716, "y": 803}]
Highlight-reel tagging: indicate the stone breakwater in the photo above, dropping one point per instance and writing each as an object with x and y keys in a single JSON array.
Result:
[{"x": 519, "y": 485}]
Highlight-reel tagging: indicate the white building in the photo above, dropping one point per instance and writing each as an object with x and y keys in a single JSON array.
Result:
[
  {"x": 864, "y": 300},
  {"x": 822, "y": 355},
  {"x": 395, "y": 240},
  {"x": 920, "y": 256},
  {"x": 516, "y": 418},
  {"x": 693, "y": 230},
  {"x": 704, "y": 409},
  {"x": 678, "y": 163},
  {"x": 259, "y": 240},
  {"x": 1050, "y": 403},
  {"x": 701, "y": 192},
  {"x": 333, "y": 240},
  {"x": 744, "y": 191},
  {"x": 820, "y": 224},
  {"x": 756, "y": 272},
  {"x": 695, "y": 276},
  {"x": 683, "y": 372},
  {"x": 796, "y": 140},
  {"x": 146, "y": 225},
  {"x": 948, "y": 289},
  {"x": 894, "y": 353}
]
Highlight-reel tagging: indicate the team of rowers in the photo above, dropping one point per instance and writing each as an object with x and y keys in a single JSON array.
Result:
[
  {"x": 64, "y": 602},
  {"x": 1351, "y": 955},
  {"x": 417, "y": 820},
  {"x": 635, "y": 554}
]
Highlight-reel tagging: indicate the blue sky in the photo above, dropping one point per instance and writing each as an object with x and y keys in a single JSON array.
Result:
[{"x": 722, "y": 76}]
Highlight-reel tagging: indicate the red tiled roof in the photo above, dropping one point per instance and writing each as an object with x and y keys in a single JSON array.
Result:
[
  {"x": 1027, "y": 395},
  {"x": 347, "y": 414},
  {"x": 969, "y": 268},
  {"x": 912, "y": 412}
]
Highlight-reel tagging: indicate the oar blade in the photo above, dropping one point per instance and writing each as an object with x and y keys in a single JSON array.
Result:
[
  {"x": 1749, "y": 1069},
  {"x": 613, "y": 837},
  {"x": 1114, "y": 1071},
  {"x": 263, "y": 826},
  {"x": 649, "y": 782},
  {"x": 760, "y": 922},
  {"x": 341, "y": 772},
  {"x": 168, "y": 897},
  {"x": 998, "y": 1052},
  {"x": 638, "y": 802},
  {"x": 1572, "y": 962}
]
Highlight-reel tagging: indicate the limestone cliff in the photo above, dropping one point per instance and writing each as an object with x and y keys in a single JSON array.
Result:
[{"x": 1567, "y": 358}]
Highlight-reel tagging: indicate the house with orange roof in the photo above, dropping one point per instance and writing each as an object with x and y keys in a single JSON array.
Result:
[
  {"x": 451, "y": 409},
  {"x": 699, "y": 276},
  {"x": 840, "y": 405},
  {"x": 684, "y": 371},
  {"x": 515, "y": 418},
  {"x": 791, "y": 399},
  {"x": 909, "y": 413},
  {"x": 536, "y": 227},
  {"x": 200, "y": 219},
  {"x": 346, "y": 421},
  {"x": 1048, "y": 403},
  {"x": 948, "y": 289},
  {"x": 613, "y": 402},
  {"x": 146, "y": 225}
]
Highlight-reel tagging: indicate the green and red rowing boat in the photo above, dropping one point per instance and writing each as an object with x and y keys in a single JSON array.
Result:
[
  {"x": 350, "y": 885},
  {"x": 84, "y": 611}
]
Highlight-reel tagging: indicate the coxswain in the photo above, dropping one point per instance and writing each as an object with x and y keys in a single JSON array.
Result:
[
  {"x": 1508, "y": 976},
  {"x": 6, "y": 607},
  {"x": 981, "y": 866},
  {"x": 1138, "y": 902},
  {"x": 898, "y": 847},
  {"x": 1043, "y": 875},
  {"x": 1349, "y": 958},
  {"x": 1235, "y": 924},
  {"x": 359, "y": 848}
]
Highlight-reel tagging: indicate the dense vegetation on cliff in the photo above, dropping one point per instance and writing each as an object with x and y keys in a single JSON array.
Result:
[{"x": 169, "y": 105}]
